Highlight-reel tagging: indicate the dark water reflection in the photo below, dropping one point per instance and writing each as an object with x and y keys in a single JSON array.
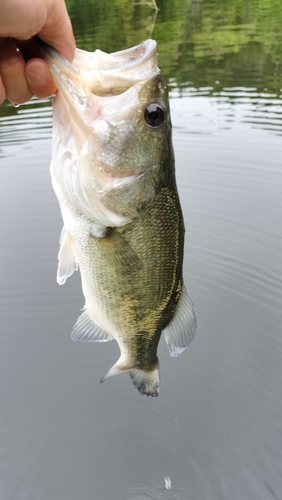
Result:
[{"x": 216, "y": 429}]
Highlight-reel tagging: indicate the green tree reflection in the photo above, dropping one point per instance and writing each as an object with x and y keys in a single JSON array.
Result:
[{"x": 234, "y": 42}]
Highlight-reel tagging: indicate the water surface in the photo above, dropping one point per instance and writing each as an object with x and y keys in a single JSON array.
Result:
[{"x": 215, "y": 432}]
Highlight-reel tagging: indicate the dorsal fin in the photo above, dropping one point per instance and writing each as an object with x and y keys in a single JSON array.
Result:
[
  {"x": 182, "y": 329},
  {"x": 85, "y": 330}
]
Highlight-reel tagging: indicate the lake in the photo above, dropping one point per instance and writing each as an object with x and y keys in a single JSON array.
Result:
[{"x": 215, "y": 431}]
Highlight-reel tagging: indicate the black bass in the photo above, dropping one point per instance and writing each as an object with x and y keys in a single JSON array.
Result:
[{"x": 113, "y": 173}]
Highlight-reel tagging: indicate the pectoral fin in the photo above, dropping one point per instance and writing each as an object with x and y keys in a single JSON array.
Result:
[
  {"x": 117, "y": 250},
  {"x": 85, "y": 330},
  {"x": 182, "y": 329},
  {"x": 67, "y": 259}
]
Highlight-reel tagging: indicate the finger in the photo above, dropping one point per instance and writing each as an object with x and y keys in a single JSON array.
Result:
[
  {"x": 39, "y": 78},
  {"x": 3, "y": 41},
  {"x": 57, "y": 31},
  {"x": 2, "y": 92},
  {"x": 12, "y": 71}
]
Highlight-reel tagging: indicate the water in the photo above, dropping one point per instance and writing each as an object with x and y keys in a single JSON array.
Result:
[{"x": 215, "y": 432}]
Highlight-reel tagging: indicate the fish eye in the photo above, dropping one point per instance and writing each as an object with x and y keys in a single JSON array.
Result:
[{"x": 154, "y": 115}]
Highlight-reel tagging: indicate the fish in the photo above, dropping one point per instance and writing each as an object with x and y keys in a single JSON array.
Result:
[{"x": 113, "y": 173}]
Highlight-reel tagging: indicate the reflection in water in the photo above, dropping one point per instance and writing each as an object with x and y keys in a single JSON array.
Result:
[
  {"x": 167, "y": 483},
  {"x": 216, "y": 428},
  {"x": 201, "y": 42},
  {"x": 27, "y": 123},
  {"x": 234, "y": 106}
]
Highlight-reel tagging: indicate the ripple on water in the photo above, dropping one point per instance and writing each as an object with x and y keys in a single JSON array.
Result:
[
  {"x": 23, "y": 125},
  {"x": 238, "y": 105},
  {"x": 64, "y": 431},
  {"x": 155, "y": 489},
  {"x": 230, "y": 190}
]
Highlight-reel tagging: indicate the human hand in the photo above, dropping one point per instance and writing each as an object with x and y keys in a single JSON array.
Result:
[{"x": 22, "y": 74}]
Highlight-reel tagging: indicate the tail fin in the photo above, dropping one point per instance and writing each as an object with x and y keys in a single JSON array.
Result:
[{"x": 146, "y": 381}]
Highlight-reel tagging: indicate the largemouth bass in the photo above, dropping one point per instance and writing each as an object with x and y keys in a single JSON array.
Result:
[{"x": 113, "y": 173}]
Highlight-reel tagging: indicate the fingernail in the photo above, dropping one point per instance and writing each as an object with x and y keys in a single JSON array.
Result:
[{"x": 36, "y": 74}]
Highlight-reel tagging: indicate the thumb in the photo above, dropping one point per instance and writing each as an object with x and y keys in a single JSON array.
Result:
[{"x": 57, "y": 30}]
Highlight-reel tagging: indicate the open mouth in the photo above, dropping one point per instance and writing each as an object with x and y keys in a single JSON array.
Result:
[{"x": 105, "y": 74}]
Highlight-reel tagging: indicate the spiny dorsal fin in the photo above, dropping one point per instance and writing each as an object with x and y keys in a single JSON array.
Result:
[
  {"x": 182, "y": 329},
  {"x": 85, "y": 330},
  {"x": 67, "y": 259}
]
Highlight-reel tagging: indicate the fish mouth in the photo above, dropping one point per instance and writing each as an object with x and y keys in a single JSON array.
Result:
[
  {"x": 105, "y": 74},
  {"x": 103, "y": 89}
]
